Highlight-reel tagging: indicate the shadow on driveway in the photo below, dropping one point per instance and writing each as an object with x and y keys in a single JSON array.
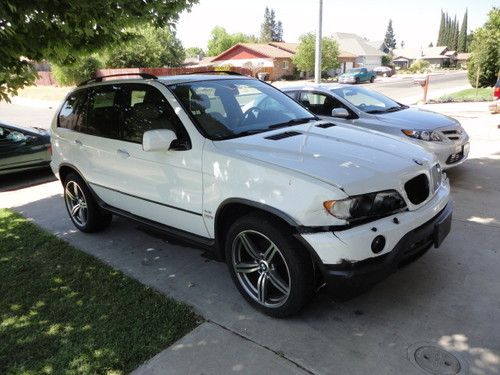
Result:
[{"x": 22, "y": 180}]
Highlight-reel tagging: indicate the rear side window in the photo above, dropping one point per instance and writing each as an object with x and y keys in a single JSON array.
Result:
[
  {"x": 103, "y": 117},
  {"x": 73, "y": 114},
  {"x": 145, "y": 108}
]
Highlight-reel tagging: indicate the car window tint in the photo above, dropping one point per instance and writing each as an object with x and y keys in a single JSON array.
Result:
[
  {"x": 73, "y": 115},
  {"x": 320, "y": 104},
  {"x": 104, "y": 111},
  {"x": 145, "y": 108}
]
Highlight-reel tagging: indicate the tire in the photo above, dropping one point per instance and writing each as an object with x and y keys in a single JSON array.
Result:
[
  {"x": 276, "y": 273},
  {"x": 82, "y": 207},
  {"x": 372, "y": 78},
  {"x": 357, "y": 80}
]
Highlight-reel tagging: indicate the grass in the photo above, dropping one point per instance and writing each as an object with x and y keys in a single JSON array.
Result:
[
  {"x": 64, "y": 312},
  {"x": 484, "y": 94}
]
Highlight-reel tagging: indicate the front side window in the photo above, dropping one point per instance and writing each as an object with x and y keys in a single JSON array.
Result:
[
  {"x": 367, "y": 100},
  {"x": 145, "y": 108},
  {"x": 229, "y": 108},
  {"x": 9, "y": 137},
  {"x": 320, "y": 104}
]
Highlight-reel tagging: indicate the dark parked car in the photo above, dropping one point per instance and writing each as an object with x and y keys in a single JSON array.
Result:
[
  {"x": 495, "y": 106},
  {"x": 23, "y": 148}
]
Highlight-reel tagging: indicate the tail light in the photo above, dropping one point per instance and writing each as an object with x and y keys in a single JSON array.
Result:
[
  {"x": 496, "y": 92},
  {"x": 49, "y": 149}
]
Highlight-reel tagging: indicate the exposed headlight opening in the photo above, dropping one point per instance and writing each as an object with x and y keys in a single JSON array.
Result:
[
  {"x": 424, "y": 135},
  {"x": 366, "y": 206}
]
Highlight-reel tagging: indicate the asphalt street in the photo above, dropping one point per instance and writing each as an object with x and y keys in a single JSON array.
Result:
[{"x": 448, "y": 299}]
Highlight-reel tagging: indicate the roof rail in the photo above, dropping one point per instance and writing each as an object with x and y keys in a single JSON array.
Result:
[
  {"x": 99, "y": 79},
  {"x": 228, "y": 72}
]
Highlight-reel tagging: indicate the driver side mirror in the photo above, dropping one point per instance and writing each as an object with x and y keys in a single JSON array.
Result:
[
  {"x": 158, "y": 140},
  {"x": 340, "y": 112}
]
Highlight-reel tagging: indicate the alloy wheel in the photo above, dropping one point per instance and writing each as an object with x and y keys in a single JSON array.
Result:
[
  {"x": 261, "y": 268},
  {"x": 76, "y": 203}
]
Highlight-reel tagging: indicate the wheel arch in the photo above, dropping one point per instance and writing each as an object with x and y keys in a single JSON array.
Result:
[{"x": 233, "y": 208}]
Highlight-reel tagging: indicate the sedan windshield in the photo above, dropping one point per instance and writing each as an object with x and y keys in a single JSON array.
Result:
[
  {"x": 229, "y": 108},
  {"x": 367, "y": 100}
]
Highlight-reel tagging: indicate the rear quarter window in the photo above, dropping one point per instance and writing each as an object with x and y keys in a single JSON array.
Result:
[{"x": 73, "y": 115}]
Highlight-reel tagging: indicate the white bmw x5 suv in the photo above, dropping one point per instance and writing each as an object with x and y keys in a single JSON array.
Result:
[{"x": 290, "y": 202}]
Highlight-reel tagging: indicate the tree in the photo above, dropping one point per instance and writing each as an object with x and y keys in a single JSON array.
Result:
[
  {"x": 390, "y": 39},
  {"x": 484, "y": 62},
  {"x": 455, "y": 34},
  {"x": 81, "y": 69},
  {"x": 462, "y": 37},
  {"x": 402, "y": 44},
  {"x": 48, "y": 30},
  {"x": 304, "y": 57},
  {"x": 271, "y": 30},
  {"x": 220, "y": 40},
  {"x": 431, "y": 45},
  {"x": 149, "y": 48},
  {"x": 442, "y": 27},
  {"x": 195, "y": 52}
]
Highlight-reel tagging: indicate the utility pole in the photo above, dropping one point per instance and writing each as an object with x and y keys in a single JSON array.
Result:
[{"x": 317, "y": 60}]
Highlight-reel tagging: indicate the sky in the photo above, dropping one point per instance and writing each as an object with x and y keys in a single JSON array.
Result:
[{"x": 415, "y": 21}]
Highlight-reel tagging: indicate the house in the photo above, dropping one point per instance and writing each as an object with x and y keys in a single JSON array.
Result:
[
  {"x": 366, "y": 54},
  {"x": 462, "y": 59},
  {"x": 258, "y": 57},
  {"x": 346, "y": 59},
  {"x": 438, "y": 56}
]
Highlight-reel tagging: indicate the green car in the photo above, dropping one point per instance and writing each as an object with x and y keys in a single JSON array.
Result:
[
  {"x": 357, "y": 75},
  {"x": 23, "y": 148}
]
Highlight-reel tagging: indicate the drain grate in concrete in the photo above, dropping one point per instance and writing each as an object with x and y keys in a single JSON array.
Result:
[{"x": 437, "y": 361}]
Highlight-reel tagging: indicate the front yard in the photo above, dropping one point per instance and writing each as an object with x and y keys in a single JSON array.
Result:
[{"x": 64, "y": 312}]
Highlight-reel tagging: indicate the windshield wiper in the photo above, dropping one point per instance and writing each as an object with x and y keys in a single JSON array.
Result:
[
  {"x": 391, "y": 109},
  {"x": 249, "y": 132},
  {"x": 296, "y": 121}
]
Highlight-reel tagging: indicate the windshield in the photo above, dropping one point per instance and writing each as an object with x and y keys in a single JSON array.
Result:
[
  {"x": 367, "y": 100},
  {"x": 229, "y": 108},
  {"x": 356, "y": 70}
]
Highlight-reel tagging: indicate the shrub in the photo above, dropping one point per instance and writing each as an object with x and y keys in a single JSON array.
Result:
[
  {"x": 79, "y": 70},
  {"x": 419, "y": 66}
]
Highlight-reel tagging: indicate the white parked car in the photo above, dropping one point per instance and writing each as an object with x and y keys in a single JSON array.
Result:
[
  {"x": 362, "y": 107},
  {"x": 289, "y": 201}
]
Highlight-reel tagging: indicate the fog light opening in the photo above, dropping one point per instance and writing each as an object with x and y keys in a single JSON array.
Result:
[{"x": 378, "y": 244}]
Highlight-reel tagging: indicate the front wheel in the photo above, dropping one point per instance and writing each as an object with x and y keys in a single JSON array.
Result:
[
  {"x": 270, "y": 269},
  {"x": 357, "y": 80},
  {"x": 82, "y": 207},
  {"x": 372, "y": 78}
]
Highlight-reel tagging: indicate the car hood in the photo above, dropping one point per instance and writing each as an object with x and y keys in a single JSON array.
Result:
[
  {"x": 354, "y": 160},
  {"x": 416, "y": 118}
]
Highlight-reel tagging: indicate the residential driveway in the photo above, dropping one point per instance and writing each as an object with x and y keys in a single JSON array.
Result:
[{"x": 449, "y": 298}]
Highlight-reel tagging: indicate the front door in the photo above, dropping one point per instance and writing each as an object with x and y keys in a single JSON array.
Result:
[{"x": 163, "y": 186}]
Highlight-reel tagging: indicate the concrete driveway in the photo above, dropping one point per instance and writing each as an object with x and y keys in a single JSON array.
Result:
[{"x": 450, "y": 298}]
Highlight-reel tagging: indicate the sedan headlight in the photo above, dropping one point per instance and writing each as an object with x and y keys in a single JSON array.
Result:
[
  {"x": 366, "y": 206},
  {"x": 424, "y": 135}
]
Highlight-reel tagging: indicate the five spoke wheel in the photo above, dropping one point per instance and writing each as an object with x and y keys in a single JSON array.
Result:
[
  {"x": 76, "y": 203},
  {"x": 261, "y": 268}
]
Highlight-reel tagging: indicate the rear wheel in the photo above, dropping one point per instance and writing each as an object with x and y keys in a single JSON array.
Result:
[
  {"x": 270, "y": 269},
  {"x": 357, "y": 80},
  {"x": 82, "y": 207}
]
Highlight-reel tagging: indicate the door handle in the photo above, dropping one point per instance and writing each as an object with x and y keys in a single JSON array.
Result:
[
  {"x": 78, "y": 142},
  {"x": 123, "y": 153}
]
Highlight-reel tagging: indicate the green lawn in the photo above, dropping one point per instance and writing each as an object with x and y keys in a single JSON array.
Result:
[
  {"x": 64, "y": 312},
  {"x": 469, "y": 95}
]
